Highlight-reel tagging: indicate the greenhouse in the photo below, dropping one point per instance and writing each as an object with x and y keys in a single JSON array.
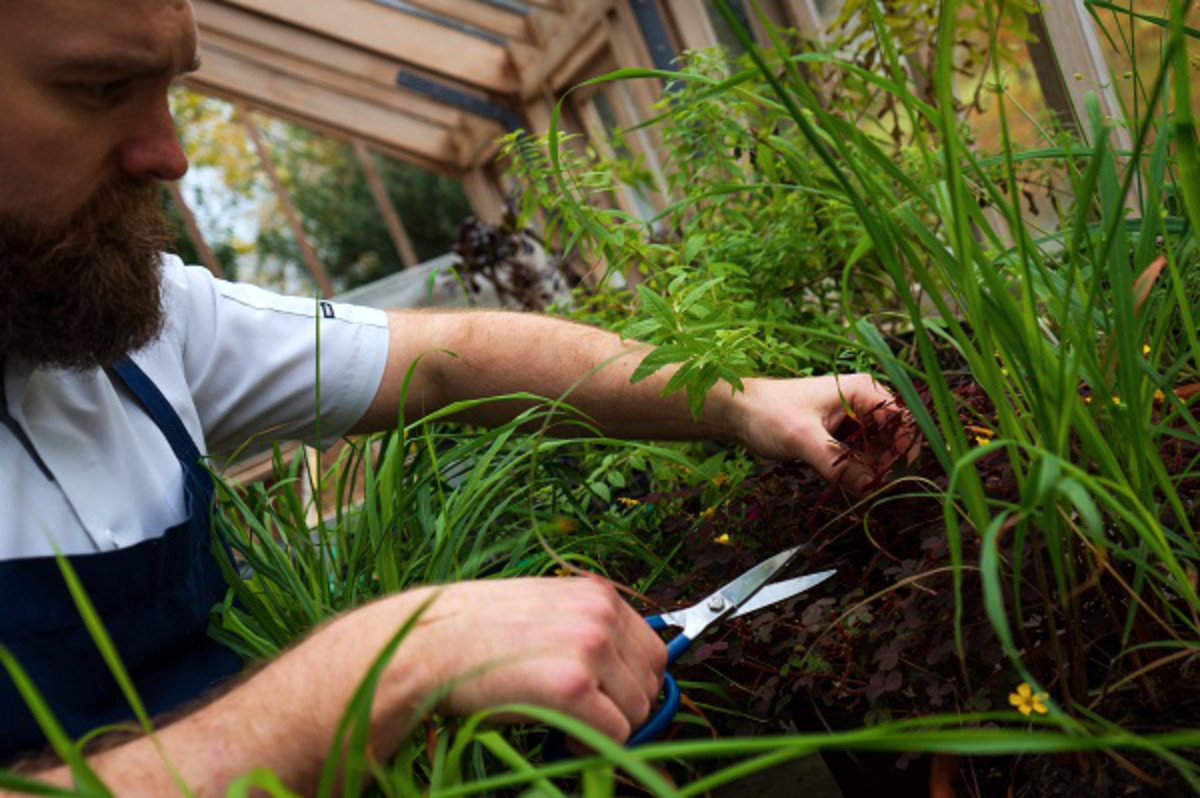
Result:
[{"x": 600, "y": 397}]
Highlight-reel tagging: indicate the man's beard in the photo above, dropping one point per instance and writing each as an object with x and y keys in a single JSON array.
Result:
[{"x": 88, "y": 292}]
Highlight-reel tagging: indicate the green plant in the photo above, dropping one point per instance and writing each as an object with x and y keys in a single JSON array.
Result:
[
  {"x": 1073, "y": 342},
  {"x": 1077, "y": 348},
  {"x": 431, "y": 503},
  {"x": 750, "y": 267},
  {"x": 1073, "y": 338}
]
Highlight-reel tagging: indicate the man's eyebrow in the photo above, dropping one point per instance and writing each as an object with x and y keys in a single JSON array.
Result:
[{"x": 124, "y": 65}]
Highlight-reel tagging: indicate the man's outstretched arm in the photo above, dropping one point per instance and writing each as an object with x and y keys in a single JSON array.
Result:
[
  {"x": 474, "y": 354},
  {"x": 593, "y": 658}
]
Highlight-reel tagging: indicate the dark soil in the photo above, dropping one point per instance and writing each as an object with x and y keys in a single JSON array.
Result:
[{"x": 1061, "y": 777}]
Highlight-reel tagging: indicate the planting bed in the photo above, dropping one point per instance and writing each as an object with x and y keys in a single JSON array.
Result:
[{"x": 878, "y": 641}]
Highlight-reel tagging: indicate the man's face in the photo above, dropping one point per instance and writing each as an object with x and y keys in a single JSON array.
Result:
[{"x": 85, "y": 138}]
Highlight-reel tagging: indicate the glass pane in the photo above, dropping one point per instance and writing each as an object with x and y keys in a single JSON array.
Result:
[{"x": 1133, "y": 47}]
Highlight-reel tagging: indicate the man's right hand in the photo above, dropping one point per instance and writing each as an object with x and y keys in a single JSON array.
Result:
[{"x": 568, "y": 644}]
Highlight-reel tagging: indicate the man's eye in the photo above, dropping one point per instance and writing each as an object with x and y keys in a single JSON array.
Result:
[{"x": 104, "y": 92}]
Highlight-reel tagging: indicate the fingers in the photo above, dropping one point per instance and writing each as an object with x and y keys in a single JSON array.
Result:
[
  {"x": 832, "y": 459},
  {"x": 869, "y": 399},
  {"x": 576, "y": 689},
  {"x": 861, "y": 398},
  {"x": 644, "y": 645},
  {"x": 617, "y": 645}
]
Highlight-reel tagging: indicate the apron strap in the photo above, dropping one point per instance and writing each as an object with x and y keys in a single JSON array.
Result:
[{"x": 164, "y": 415}]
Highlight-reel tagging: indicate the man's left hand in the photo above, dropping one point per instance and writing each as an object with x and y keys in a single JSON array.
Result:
[{"x": 796, "y": 420}]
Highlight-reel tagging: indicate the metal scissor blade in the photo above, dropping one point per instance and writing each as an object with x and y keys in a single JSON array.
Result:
[
  {"x": 780, "y": 591},
  {"x": 698, "y": 617},
  {"x": 739, "y": 590}
]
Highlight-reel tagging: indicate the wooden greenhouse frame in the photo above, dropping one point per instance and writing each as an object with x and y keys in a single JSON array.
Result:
[{"x": 435, "y": 82}]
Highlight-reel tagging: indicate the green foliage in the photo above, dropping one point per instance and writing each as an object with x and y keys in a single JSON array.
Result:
[
  {"x": 1054, "y": 330},
  {"x": 1076, "y": 335},
  {"x": 752, "y": 266}
]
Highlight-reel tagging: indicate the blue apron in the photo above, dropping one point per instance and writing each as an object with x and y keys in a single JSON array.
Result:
[{"x": 153, "y": 598}]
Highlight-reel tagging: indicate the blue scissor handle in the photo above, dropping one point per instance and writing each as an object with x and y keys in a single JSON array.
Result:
[
  {"x": 661, "y": 719},
  {"x": 676, "y": 647}
]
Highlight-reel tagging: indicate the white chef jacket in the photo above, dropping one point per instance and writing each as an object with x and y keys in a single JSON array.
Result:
[{"x": 234, "y": 361}]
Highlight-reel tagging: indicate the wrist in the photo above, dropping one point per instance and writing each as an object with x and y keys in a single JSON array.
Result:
[
  {"x": 730, "y": 412},
  {"x": 413, "y": 671},
  {"x": 306, "y": 692}
]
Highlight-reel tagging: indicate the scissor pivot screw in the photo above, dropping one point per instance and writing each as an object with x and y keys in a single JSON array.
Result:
[{"x": 716, "y": 603}]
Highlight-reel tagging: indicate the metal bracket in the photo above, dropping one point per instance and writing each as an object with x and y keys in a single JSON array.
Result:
[
  {"x": 654, "y": 31},
  {"x": 459, "y": 99}
]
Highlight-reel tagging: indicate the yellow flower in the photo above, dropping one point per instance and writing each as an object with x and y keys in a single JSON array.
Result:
[
  {"x": 719, "y": 479},
  {"x": 705, "y": 513},
  {"x": 1145, "y": 349},
  {"x": 1116, "y": 400},
  {"x": 982, "y": 435},
  {"x": 722, "y": 538},
  {"x": 1028, "y": 702},
  {"x": 628, "y": 502}
]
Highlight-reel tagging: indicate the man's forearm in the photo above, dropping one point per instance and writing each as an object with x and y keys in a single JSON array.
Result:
[
  {"x": 282, "y": 719},
  {"x": 469, "y": 355}
]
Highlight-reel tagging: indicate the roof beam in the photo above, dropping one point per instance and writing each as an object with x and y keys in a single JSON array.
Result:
[
  {"x": 337, "y": 133},
  {"x": 1072, "y": 41},
  {"x": 694, "y": 27},
  {"x": 807, "y": 18},
  {"x": 313, "y": 57},
  {"x": 225, "y": 73},
  {"x": 408, "y": 38},
  {"x": 193, "y": 229},
  {"x": 402, "y": 102},
  {"x": 587, "y": 51},
  {"x": 573, "y": 29},
  {"x": 456, "y": 98},
  {"x": 654, "y": 33},
  {"x": 385, "y": 206}
]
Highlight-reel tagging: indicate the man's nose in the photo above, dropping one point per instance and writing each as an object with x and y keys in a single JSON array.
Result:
[{"x": 152, "y": 148}]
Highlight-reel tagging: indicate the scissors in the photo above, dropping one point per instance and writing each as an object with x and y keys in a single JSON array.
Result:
[{"x": 746, "y": 594}]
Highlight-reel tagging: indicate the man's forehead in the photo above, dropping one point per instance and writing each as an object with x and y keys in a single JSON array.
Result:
[{"x": 140, "y": 29}]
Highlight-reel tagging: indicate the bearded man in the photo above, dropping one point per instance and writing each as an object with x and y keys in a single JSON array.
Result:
[{"x": 122, "y": 369}]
